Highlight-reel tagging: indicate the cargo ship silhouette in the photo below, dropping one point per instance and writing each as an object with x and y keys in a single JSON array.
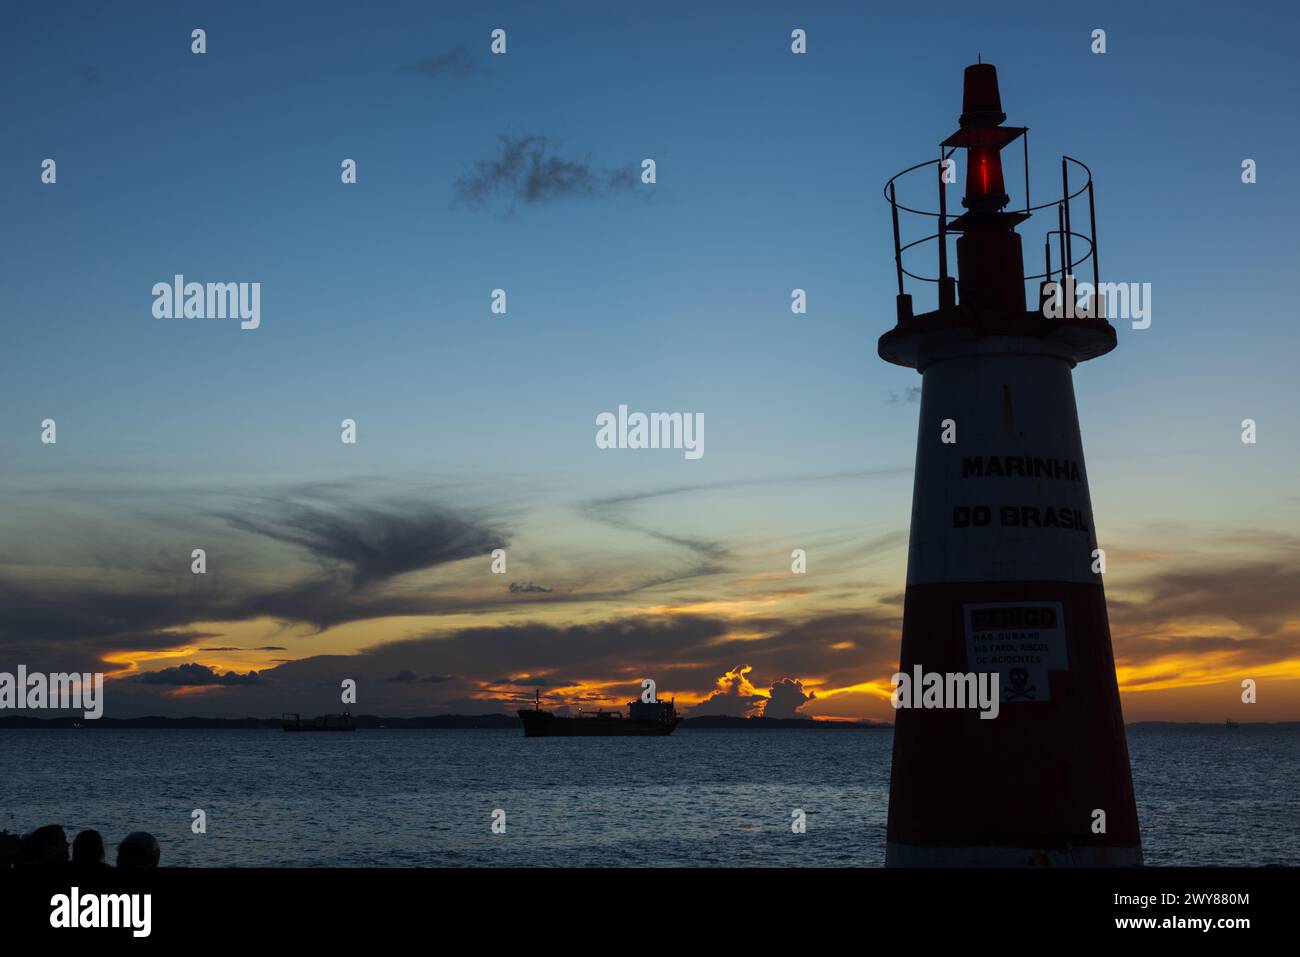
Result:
[{"x": 643, "y": 718}]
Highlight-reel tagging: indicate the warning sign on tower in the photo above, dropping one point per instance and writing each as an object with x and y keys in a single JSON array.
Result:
[{"x": 1021, "y": 642}]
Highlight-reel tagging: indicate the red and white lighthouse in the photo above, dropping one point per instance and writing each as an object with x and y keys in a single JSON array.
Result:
[{"x": 1003, "y": 569}]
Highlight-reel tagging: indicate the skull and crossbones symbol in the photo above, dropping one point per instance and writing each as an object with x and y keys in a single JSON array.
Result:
[{"x": 1018, "y": 677}]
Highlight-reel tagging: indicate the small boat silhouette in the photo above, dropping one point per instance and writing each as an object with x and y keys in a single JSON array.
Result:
[{"x": 326, "y": 722}]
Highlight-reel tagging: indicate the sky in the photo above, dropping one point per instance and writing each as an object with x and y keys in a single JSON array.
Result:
[{"x": 475, "y": 430}]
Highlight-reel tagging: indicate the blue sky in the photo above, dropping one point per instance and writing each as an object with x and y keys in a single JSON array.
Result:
[{"x": 375, "y": 297}]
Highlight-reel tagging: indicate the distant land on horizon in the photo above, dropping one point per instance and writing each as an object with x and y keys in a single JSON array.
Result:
[
  {"x": 443, "y": 721},
  {"x": 499, "y": 721}
]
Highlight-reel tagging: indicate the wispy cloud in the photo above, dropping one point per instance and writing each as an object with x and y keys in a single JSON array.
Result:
[
  {"x": 528, "y": 169},
  {"x": 259, "y": 648},
  {"x": 909, "y": 396},
  {"x": 375, "y": 542},
  {"x": 456, "y": 63}
]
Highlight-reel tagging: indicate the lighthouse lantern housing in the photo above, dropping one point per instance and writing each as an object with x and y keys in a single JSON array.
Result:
[{"x": 987, "y": 296}]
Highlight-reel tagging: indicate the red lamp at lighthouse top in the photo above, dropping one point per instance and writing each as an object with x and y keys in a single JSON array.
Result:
[{"x": 983, "y": 136}]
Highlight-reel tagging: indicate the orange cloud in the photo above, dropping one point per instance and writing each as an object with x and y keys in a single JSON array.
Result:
[{"x": 129, "y": 661}]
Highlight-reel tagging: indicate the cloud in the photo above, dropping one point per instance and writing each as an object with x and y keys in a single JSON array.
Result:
[
  {"x": 734, "y": 697},
  {"x": 321, "y": 555},
  {"x": 360, "y": 548},
  {"x": 612, "y": 510},
  {"x": 407, "y": 676},
  {"x": 375, "y": 542},
  {"x": 259, "y": 648},
  {"x": 1259, "y": 595},
  {"x": 136, "y": 603},
  {"x": 786, "y": 698},
  {"x": 538, "y": 682},
  {"x": 456, "y": 63},
  {"x": 624, "y": 645},
  {"x": 489, "y": 668},
  {"x": 95, "y": 617},
  {"x": 527, "y": 170},
  {"x": 910, "y": 396},
  {"x": 1212, "y": 655},
  {"x": 144, "y": 606},
  {"x": 194, "y": 674},
  {"x": 631, "y": 497}
]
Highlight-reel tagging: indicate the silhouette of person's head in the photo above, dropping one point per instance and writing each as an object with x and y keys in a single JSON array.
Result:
[
  {"x": 138, "y": 849},
  {"x": 88, "y": 849},
  {"x": 45, "y": 847}
]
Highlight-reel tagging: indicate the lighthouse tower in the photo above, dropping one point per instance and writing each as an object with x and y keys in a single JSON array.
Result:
[{"x": 1003, "y": 572}]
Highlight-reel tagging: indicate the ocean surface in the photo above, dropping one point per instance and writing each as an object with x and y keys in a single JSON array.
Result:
[{"x": 402, "y": 798}]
